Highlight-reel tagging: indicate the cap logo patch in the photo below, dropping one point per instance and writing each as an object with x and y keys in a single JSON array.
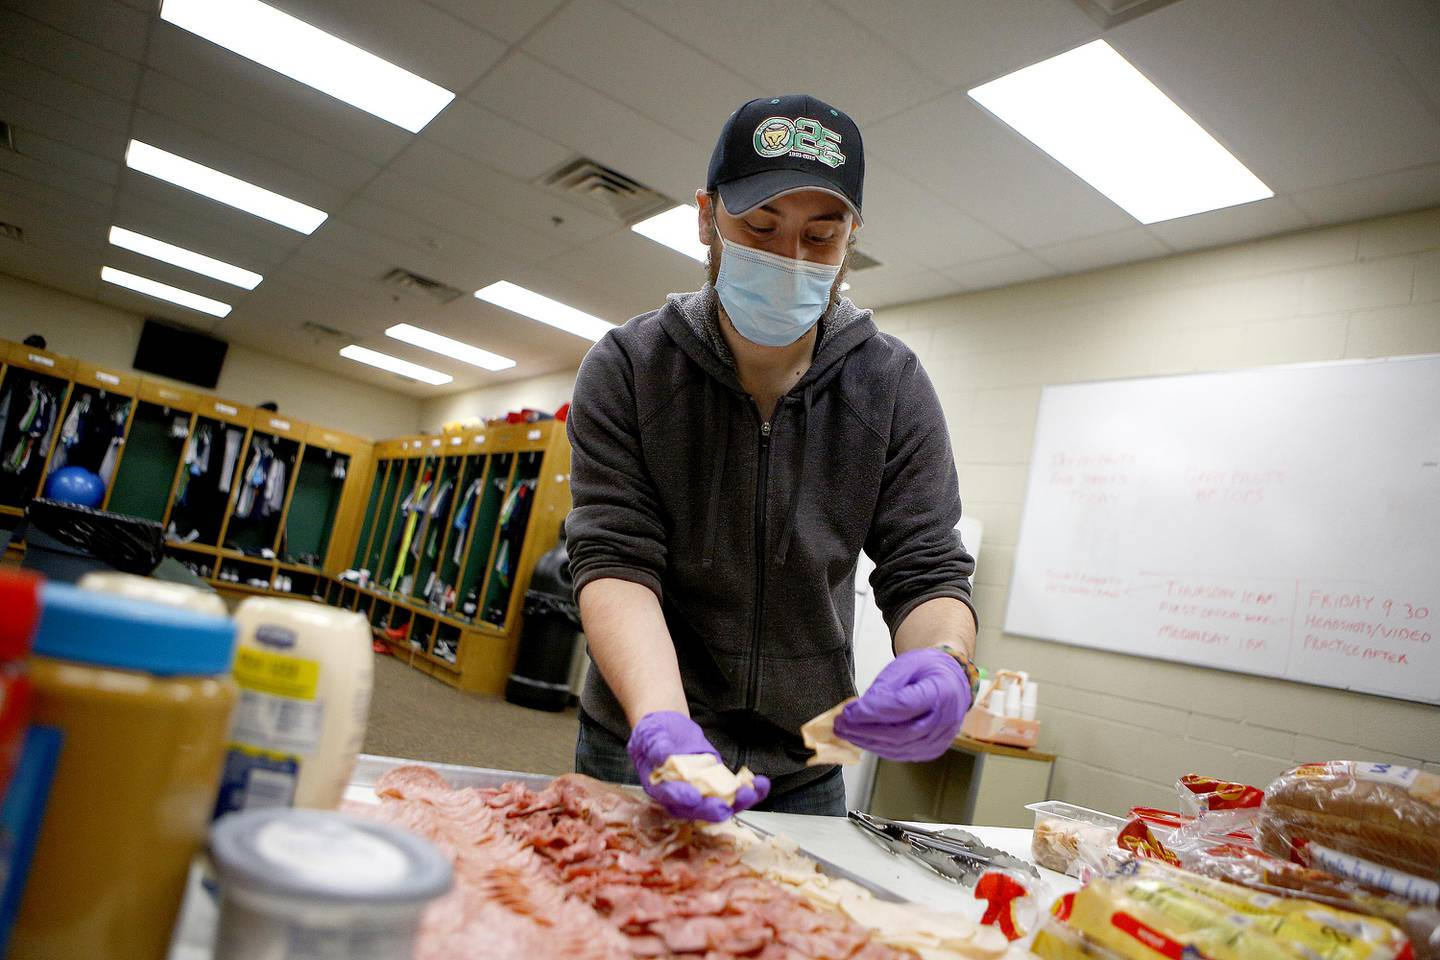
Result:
[{"x": 801, "y": 137}]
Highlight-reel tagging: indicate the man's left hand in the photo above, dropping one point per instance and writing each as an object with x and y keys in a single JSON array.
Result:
[{"x": 913, "y": 710}]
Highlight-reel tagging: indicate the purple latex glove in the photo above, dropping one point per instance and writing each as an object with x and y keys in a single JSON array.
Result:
[
  {"x": 913, "y": 709},
  {"x": 664, "y": 733}
]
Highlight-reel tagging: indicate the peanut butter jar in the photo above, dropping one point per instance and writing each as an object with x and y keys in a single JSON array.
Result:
[{"x": 141, "y": 695}]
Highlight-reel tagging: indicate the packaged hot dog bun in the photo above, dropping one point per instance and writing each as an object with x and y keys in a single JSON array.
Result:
[{"x": 1386, "y": 817}]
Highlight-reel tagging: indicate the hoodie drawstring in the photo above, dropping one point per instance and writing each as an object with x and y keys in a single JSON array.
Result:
[
  {"x": 788, "y": 532},
  {"x": 717, "y": 477}
]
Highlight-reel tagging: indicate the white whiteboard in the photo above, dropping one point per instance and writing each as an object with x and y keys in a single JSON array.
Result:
[{"x": 1283, "y": 521}]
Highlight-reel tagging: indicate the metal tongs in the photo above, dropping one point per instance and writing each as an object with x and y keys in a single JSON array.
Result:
[{"x": 954, "y": 854}]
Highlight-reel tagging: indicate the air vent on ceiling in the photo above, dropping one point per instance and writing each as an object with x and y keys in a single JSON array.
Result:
[
  {"x": 606, "y": 191},
  {"x": 861, "y": 261},
  {"x": 422, "y": 288},
  {"x": 7, "y": 139},
  {"x": 11, "y": 232},
  {"x": 319, "y": 330},
  {"x": 1110, "y": 13}
]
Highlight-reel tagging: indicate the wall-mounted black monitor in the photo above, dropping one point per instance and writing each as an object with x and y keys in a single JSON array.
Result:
[{"x": 180, "y": 354}]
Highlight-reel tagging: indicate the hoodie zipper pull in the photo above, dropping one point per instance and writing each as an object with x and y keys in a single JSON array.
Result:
[{"x": 765, "y": 429}]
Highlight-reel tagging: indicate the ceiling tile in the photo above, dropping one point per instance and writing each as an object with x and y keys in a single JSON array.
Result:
[
  {"x": 409, "y": 33},
  {"x": 42, "y": 45},
  {"x": 63, "y": 96},
  {"x": 428, "y": 250},
  {"x": 1409, "y": 28},
  {"x": 519, "y": 202},
  {"x": 904, "y": 220},
  {"x": 244, "y": 85},
  {"x": 504, "y": 18},
  {"x": 1102, "y": 250},
  {"x": 968, "y": 42},
  {"x": 1373, "y": 196},
  {"x": 798, "y": 46},
  {"x": 505, "y": 241},
  {"x": 184, "y": 104},
  {"x": 35, "y": 148},
  {"x": 105, "y": 142},
  {"x": 247, "y": 163},
  {"x": 618, "y": 276},
  {"x": 600, "y": 45},
  {"x": 1000, "y": 271},
  {"x": 1313, "y": 109},
  {"x": 1231, "y": 224},
  {"x": 590, "y": 123},
  {"x": 898, "y": 283},
  {"x": 985, "y": 168},
  {"x": 484, "y": 135},
  {"x": 103, "y": 23},
  {"x": 19, "y": 167}
]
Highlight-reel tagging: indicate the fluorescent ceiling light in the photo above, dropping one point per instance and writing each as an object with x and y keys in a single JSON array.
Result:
[
  {"x": 676, "y": 229},
  {"x": 1096, "y": 114},
  {"x": 180, "y": 257},
  {"x": 163, "y": 291},
  {"x": 223, "y": 187},
  {"x": 450, "y": 348},
  {"x": 528, "y": 303},
  {"x": 317, "y": 59},
  {"x": 395, "y": 365}
]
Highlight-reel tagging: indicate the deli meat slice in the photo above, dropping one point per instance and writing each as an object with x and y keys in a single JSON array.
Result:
[{"x": 584, "y": 870}]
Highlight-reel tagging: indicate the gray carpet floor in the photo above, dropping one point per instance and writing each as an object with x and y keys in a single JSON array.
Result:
[{"x": 420, "y": 718}]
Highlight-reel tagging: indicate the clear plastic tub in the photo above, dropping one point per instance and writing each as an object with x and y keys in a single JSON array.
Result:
[
  {"x": 1063, "y": 830},
  {"x": 317, "y": 885}
]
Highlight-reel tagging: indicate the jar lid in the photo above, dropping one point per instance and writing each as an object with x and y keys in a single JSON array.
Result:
[
  {"x": 18, "y": 612},
  {"x": 112, "y": 631},
  {"x": 321, "y": 855},
  {"x": 156, "y": 591}
]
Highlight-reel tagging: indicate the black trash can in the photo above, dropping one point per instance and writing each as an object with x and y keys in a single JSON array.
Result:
[{"x": 547, "y": 640}]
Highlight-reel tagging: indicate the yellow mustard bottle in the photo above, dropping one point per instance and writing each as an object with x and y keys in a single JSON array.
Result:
[{"x": 141, "y": 696}]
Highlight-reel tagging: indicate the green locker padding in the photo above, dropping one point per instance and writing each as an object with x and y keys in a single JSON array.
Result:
[
  {"x": 147, "y": 468},
  {"x": 390, "y": 551},
  {"x": 487, "y": 514},
  {"x": 513, "y": 519},
  {"x": 382, "y": 518},
  {"x": 372, "y": 508},
  {"x": 313, "y": 506}
]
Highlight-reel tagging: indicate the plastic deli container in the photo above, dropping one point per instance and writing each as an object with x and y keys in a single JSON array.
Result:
[
  {"x": 138, "y": 697},
  {"x": 316, "y": 885},
  {"x": 1062, "y": 830},
  {"x": 305, "y": 673},
  {"x": 155, "y": 591}
]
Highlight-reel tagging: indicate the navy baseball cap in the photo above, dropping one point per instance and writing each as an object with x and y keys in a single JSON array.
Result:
[{"x": 778, "y": 145}]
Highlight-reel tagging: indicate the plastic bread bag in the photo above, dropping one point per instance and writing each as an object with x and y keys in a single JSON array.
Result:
[
  {"x": 1149, "y": 909},
  {"x": 1259, "y": 871},
  {"x": 1218, "y": 806},
  {"x": 1056, "y": 940},
  {"x": 1377, "y": 824},
  {"x": 1014, "y": 901}
]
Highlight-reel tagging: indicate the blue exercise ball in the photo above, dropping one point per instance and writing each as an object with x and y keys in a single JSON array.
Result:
[{"x": 75, "y": 485}]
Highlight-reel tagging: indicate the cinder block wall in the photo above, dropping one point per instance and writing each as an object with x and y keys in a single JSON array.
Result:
[{"x": 1126, "y": 727}]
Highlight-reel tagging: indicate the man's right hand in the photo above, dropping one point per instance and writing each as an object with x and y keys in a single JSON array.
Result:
[{"x": 665, "y": 733}]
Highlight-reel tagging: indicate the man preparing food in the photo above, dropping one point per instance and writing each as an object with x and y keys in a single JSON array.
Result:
[{"x": 734, "y": 451}]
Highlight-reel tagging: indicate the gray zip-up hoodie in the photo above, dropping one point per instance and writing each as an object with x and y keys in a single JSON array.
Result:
[{"x": 749, "y": 533}]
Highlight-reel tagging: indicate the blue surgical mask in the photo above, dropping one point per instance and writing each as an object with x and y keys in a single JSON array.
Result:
[{"x": 772, "y": 300}]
